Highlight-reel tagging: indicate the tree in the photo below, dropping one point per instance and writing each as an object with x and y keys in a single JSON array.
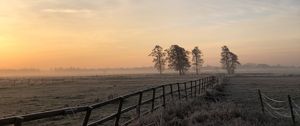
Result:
[
  {"x": 229, "y": 60},
  {"x": 159, "y": 60},
  {"x": 178, "y": 59},
  {"x": 233, "y": 62},
  {"x": 225, "y": 58},
  {"x": 197, "y": 59}
]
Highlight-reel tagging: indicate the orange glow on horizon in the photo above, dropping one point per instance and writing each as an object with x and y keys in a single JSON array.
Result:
[{"x": 102, "y": 34}]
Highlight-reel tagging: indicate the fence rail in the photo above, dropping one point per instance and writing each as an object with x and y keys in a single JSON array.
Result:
[{"x": 196, "y": 87}]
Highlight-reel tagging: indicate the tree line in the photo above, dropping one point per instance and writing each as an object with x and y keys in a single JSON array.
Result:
[{"x": 178, "y": 59}]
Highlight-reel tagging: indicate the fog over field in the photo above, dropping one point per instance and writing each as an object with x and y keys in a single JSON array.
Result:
[
  {"x": 149, "y": 62},
  {"x": 141, "y": 70}
]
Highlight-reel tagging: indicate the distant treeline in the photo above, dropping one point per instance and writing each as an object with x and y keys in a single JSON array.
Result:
[
  {"x": 254, "y": 65},
  {"x": 77, "y": 69},
  {"x": 25, "y": 70},
  {"x": 111, "y": 69}
]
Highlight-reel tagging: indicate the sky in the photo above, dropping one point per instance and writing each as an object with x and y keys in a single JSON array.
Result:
[{"x": 121, "y": 33}]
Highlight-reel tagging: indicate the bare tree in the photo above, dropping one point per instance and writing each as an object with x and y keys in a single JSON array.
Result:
[
  {"x": 159, "y": 60},
  {"x": 178, "y": 59},
  {"x": 197, "y": 59},
  {"x": 229, "y": 60}
]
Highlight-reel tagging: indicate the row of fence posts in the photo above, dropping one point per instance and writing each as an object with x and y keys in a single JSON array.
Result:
[
  {"x": 289, "y": 102},
  {"x": 204, "y": 83},
  {"x": 200, "y": 84}
]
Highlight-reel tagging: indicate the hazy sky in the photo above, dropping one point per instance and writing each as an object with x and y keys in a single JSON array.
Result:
[{"x": 121, "y": 33}]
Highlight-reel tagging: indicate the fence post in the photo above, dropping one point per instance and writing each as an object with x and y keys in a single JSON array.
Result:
[
  {"x": 138, "y": 108},
  {"x": 199, "y": 83},
  {"x": 208, "y": 82},
  {"x": 153, "y": 99},
  {"x": 292, "y": 110},
  {"x": 18, "y": 121},
  {"x": 211, "y": 82},
  {"x": 195, "y": 88},
  {"x": 178, "y": 86},
  {"x": 164, "y": 97},
  {"x": 119, "y": 111},
  {"x": 191, "y": 89},
  {"x": 186, "y": 94},
  {"x": 261, "y": 102},
  {"x": 87, "y": 116},
  {"x": 202, "y": 80},
  {"x": 171, "y": 90},
  {"x": 204, "y": 85},
  {"x": 215, "y": 80}
]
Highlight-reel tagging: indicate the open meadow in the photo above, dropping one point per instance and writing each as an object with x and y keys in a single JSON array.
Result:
[
  {"x": 237, "y": 103},
  {"x": 149, "y": 62},
  {"x": 243, "y": 88},
  {"x": 20, "y": 96}
]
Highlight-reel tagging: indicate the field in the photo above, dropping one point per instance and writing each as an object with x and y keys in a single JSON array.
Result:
[
  {"x": 35, "y": 94},
  {"x": 239, "y": 104},
  {"x": 28, "y": 95},
  {"x": 243, "y": 89}
]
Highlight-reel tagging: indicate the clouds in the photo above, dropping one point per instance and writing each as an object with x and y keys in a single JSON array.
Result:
[
  {"x": 100, "y": 26},
  {"x": 165, "y": 13},
  {"x": 66, "y": 11},
  {"x": 152, "y": 15},
  {"x": 74, "y": 5}
]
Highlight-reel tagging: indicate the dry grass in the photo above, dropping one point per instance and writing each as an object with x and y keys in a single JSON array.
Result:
[
  {"x": 240, "y": 106},
  {"x": 35, "y": 96},
  {"x": 214, "y": 109}
]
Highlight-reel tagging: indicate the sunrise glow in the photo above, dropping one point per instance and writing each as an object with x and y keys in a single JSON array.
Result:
[{"x": 121, "y": 33}]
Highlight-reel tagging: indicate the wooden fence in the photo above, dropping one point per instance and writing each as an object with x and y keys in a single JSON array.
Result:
[
  {"x": 279, "y": 108},
  {"x": 177, "y": 90}
]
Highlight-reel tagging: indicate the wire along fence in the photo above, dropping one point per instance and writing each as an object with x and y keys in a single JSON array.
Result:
[
  {"x": 142, "y": 103},
  {"x": 279, "y": 108}
]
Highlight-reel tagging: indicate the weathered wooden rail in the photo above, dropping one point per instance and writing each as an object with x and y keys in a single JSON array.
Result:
[{"x": 190, "y": 89}]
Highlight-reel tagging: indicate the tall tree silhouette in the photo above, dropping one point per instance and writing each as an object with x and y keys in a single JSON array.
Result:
[
  {"x": 197, "y": 59},
  {"x": 159, "y": 60},
  {"x": 229, "y": 60},
  {"x": 178, "y": 59}
]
